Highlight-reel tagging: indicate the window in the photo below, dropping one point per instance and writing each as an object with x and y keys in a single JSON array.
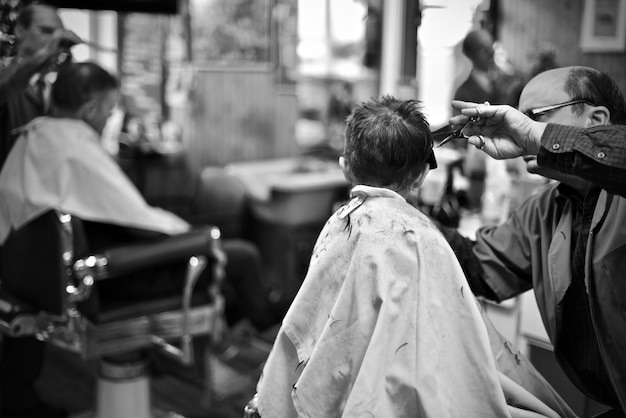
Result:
[{"x": 231, "y": 31}]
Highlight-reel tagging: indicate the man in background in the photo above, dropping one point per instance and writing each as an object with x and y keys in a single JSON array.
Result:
[
  {"x": 58, "y": 162},
  {"x": 487, "y": 82},
  {"x": 42, "y": 44}
]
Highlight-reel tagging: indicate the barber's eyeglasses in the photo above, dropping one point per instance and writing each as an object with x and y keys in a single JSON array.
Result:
[{"x": 535, "y": 113}]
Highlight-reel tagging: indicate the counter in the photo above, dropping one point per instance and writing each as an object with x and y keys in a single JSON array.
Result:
[
  {"x": 290, "y": 199},
  {"x": 292, "y": 191}
]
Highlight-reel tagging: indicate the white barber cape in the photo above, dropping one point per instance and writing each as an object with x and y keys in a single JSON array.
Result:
[
  {"x": 59, "y": 164},
  {"x": 385, "y": 325}
]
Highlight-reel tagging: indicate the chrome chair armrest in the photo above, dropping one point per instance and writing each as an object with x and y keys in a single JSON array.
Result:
[
  {"x": 251, "y": 408},
  {"x": 185, "y": 353},
  {"x": 122, "y": 260},
  {"x": 16, "y": 317}
]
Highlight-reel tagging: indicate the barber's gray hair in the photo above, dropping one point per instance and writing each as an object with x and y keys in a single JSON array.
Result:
[{"x": 597, "y": 87}]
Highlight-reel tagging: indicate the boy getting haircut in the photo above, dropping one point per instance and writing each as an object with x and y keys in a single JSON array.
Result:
[{"x": 385, "y": 324}]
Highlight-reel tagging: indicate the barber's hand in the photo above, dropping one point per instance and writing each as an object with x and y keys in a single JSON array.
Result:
[
  {"x": 63, "y": 39},
  {"x": 506, "y": 132},
  {"x": 60, "y": 42}
]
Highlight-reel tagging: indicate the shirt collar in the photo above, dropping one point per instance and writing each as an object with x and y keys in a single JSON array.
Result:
[
  {"x": 48, "y": 78},
  {"x": 364, "y": 191},
  {"x": 567, "y": 193}
]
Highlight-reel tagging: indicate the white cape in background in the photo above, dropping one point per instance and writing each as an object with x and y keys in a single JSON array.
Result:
[{"x": 59, "y": 164}]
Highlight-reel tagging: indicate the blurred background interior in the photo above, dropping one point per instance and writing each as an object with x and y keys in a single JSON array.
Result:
[{"x": 233, "y": 114}]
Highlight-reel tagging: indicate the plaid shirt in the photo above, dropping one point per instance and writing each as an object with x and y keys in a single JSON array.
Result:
[{"x": 596, "y": 154}]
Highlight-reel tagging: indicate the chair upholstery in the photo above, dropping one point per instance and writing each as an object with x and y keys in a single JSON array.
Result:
[
  {"x": 221, "y": 200},
  {"x": 37, "y": 250},
  {"x": 50, "y": 279}
]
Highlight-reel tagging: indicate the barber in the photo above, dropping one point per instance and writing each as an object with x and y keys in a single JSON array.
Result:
[
  {"x": 42, "y": 44},
  {"x": 568, "y": 241}
]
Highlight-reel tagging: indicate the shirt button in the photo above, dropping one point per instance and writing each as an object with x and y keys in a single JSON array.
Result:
[
  {"x": 601, "y": 155},
  {"x": 556, "y": 147}
]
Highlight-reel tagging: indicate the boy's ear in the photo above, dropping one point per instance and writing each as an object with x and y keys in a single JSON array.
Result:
[
  {"x": 420, "y": 179},
  {"x": 87, "y": 110},
  {"x": 345, "y": 167}
]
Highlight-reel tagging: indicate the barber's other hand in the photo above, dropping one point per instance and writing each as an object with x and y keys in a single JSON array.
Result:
[
  {"x": 60, "y": 42},
  {"x": 507, "y": 132}
]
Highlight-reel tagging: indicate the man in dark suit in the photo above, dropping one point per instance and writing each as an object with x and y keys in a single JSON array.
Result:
[{"x": 42, "y": 43}]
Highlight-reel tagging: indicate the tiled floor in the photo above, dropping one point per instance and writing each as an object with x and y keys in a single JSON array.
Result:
[{"x": 70, "y": 382}]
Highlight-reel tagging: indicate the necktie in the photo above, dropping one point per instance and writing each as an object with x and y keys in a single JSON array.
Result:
[{"x": 41, "y": 87}]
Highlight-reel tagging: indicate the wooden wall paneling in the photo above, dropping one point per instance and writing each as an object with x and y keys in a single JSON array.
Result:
[
  {"x": 528, "y": 25},
  {"x": 239, "y": 114},
  {"x": 564, "y": 26},
  {"x": 285, "y": 122}
]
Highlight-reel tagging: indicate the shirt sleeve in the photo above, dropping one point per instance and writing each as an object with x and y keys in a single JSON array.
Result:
[
  {"x": 503, "y": 260},
  {"x": 596, "y": 154},
  {"x": 463, "y": 250}
]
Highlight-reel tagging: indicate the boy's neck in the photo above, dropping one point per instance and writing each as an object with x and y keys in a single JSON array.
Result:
[{"x": 402, "y": 192}]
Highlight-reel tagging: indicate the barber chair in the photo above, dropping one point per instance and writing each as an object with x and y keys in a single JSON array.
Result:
[
  {"x": 49, "y": 290},
  {"x": 220, "y": 199}
]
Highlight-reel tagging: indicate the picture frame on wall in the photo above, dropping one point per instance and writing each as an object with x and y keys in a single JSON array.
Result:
[{"x": 604, "y": 26}]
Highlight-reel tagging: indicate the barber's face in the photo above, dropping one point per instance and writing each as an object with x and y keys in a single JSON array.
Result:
[
  {"x": 483, "y": 54},
  {"x": 545, "y": 90},
  {"x": 45, "y": 22}
]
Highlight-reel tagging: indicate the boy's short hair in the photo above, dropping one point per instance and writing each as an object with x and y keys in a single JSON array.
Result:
[
  {"x": 388, "y": 142},
  {"x": 79, "y": 82}
]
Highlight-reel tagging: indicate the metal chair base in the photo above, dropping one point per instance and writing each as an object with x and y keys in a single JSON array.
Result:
[{"x": 123, "y": 391}]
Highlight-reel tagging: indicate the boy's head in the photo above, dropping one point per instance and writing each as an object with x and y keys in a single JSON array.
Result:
[
  {"x": 86, "y": 91},
  {"x": 388, "y": 143}
]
